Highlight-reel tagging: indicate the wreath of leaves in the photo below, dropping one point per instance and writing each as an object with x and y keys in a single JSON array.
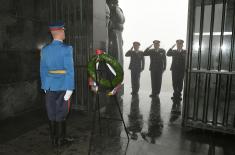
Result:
[{"x": 113, "y": 63}]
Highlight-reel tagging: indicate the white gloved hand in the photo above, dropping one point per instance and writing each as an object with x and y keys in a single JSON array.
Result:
[{"x": 67, "y": 95}]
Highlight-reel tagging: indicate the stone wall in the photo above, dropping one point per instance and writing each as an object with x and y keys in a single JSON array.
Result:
[{"x": 23, "y": 31}]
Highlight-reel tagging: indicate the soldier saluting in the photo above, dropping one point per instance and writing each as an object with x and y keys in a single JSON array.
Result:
[
  {"x": 57, "y": 80},
  {"x": 177, "y": 68},
  {"x": 136, "y": 66},
  {"x": 157, "y": 66}
]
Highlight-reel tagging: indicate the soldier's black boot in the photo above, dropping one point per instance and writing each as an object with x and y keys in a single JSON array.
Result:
[
  {"x": 66, "y": 139},
  {"x": 173, "y": 108},
  {"x": 52, "y": 126},
  {"x": 178, "y": 107},
  {"x": 62, "y": 139},
  {"x": 60, "y": 134}
]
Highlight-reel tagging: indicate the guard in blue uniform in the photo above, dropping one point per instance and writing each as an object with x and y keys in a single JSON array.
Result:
[{"x": 57, "y": 81}]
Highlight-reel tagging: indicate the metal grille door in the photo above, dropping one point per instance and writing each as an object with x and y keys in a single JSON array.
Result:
[{"x": 209, "y": 94}]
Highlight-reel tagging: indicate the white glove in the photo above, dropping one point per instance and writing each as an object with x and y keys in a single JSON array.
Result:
[{"x": 67, "y": 95}]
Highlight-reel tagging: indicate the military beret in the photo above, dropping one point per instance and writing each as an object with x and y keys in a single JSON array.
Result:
[
  {"x": 54, "y": 26},
  {"x": 156, "y": 41},
  {"x": 136, "y": 42},
  {"x": 179, "y": 41}
]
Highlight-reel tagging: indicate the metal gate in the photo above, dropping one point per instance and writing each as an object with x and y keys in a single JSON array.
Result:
[{"x": 209, "y": 94}]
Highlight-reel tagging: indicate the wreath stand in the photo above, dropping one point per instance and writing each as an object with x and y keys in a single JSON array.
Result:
[{"x": 97, "y": 107}]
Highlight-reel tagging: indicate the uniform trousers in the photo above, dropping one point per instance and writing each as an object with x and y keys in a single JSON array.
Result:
[
  {"x": 135, "y": 81},
  {"x": 156, "y": 81},
  {"x": 57, "y": 108},
  {"x": 177, "y": 82}
]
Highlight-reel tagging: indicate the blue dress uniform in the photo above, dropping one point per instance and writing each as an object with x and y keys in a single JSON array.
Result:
[{"x": 57, "y": 76}]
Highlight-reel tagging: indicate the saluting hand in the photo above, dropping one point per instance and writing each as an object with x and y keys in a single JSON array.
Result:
[
  {"x": 173, "y": 46},
  {"x": 150, "y": 46},
  {"x": 132, "y": 48}
]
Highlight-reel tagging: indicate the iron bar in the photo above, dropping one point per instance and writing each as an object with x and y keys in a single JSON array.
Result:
[
  {"x": 56, "y": 10},
  {"x": 110, "y": 118},
  {"x": 222, "y": 34},
  {"x": 215, "y": 107},
  {"x": 195, "y": 98},
  {"x": 225, "y": 112},
  {"x": 199, "y": 62},
  {"x": 191, "y": 23},
  {"x": 228, "y": 96},
  {"x": 218, "y": 77},
  {"x": 232, "y": 41},
  {"x": 77, "y": 66},
  {"x": 211, "y": 34},
  {"x": 207, "y": 85},
  {"x": 200, "y": 34}
]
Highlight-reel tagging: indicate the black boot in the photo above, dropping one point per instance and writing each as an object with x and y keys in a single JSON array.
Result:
[
  {"x": 62, "y": 139},
  {"x": 173, "y": 108},
  {"x": 178, "y": 108},
  {"x": 52, "y": 126}
]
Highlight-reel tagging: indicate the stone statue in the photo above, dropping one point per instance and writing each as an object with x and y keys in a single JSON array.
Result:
[{"x": 115, "y": 29}]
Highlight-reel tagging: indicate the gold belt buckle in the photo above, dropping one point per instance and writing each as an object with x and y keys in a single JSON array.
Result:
[{"x": 57, "y": 71}]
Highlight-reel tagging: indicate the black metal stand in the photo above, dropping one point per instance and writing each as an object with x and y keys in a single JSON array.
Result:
[{"x": 97, "y": 105}]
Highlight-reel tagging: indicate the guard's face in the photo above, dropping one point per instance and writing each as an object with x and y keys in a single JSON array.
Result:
[
  {"x": 59, "y": 34},
  {"x": 156, "y": 45},
  {"x": 62, "y": 35},
  {"x": 136, "y": 47},
  {"x": 114, "y": 2},
  {"x": 179, "y": 46}
]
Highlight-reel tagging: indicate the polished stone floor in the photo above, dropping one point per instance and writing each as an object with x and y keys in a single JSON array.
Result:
[{"x": 152, "y": 129}]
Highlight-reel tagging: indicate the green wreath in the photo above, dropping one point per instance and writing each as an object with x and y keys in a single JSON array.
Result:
[{"x": 113, "y": 63}]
